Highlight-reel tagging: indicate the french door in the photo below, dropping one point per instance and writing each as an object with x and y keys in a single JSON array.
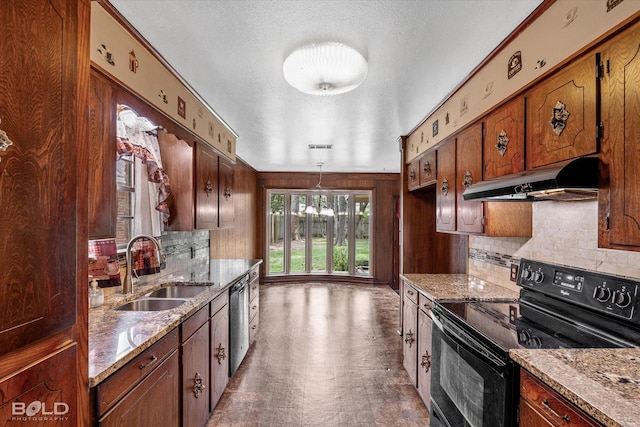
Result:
[{"x": 318, "y": 232}]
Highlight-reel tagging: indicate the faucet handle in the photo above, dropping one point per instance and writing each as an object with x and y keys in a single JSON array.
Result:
[{"x": 163, "y": 261}]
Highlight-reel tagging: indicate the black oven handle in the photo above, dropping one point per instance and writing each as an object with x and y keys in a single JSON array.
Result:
[{"x": 465, "y": 340}]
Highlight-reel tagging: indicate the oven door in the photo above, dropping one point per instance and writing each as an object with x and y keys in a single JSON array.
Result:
[{"x": 470, "y": 386}]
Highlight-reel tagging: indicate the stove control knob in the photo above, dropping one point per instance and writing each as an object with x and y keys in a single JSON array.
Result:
[
  {"x": 524, "y": 337},
  {"x": 536, "y": 342},
  {"x": 622, "y": 298},
  {"x": 528, "y": 274},
  {"x": 602, "y": 294},
  {"x": 538, "y": 276}
]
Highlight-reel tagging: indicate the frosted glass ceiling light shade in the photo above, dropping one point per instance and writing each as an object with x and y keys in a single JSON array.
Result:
[{"x": 325, "y": 69}]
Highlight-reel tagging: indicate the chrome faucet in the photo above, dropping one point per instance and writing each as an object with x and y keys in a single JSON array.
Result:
[{"x": 127, "y": 287}]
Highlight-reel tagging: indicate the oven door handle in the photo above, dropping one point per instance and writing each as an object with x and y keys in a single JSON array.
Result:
[{"x": 465, "y": 340}]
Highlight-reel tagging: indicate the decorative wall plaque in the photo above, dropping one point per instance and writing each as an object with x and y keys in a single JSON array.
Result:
[
  {"x": 182, "y": 108},
  {"x": 434, "y": 128},
  {"x": 211, "y": 132},
  {"x": 464, "y": 105},
  {"x": 502, "y": 143},
  {"x": 612, "y": 3},
  {"x": 515, "y": 64},
  {"x": 559, "y": 118},
  {"x": 163, "y": 96},
  {"x": 104, "y": 52},
  {"x": 133, "y": 62}
]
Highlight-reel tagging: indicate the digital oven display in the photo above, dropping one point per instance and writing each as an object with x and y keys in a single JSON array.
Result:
[{"x": 568, "y": 281}]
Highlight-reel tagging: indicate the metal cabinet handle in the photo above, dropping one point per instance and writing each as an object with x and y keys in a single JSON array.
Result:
[
  {"x": 409, "y": 338},
  {"x": 545, "y": 403},
  {"x": 426, "y": 361},
  {"x": 221, "y": 354},
  {"x": 468, "y": 180},
  {"x": 227, "y": 193},
  {"x": 427, "y": 168},
  {"x": 153, "y": 359},
  {"x": 198, "y": 385},
  {"x": 445, "y": 187},
  {"x": 208, "y": 188},
  {"x": 5, "y": 142},
  {"x": 410, "y": 292}
]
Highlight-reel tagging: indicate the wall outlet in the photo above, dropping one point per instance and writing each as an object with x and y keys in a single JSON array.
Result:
[{"x": 514, "y": 272}]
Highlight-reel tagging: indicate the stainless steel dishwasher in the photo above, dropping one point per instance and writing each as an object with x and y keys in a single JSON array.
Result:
[{"x": 238, "y": 323}]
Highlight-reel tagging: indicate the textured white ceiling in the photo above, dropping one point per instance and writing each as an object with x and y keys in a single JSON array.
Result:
[{"x": 231, "y": 53}]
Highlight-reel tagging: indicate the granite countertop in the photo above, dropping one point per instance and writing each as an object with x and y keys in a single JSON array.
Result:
[
  {"x": 443, "y": 287},
  {"x": 604, "y": 383},
  {"x": 116, "y": 337}
]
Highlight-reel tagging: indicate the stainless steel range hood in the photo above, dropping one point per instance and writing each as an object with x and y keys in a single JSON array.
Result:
[{"x": 576, "y": 180}]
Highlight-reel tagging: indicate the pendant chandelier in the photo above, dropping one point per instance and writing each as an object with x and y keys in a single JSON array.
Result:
[
  {"x": 325, "y": 69},
  {"x": 320, "y": 208}
]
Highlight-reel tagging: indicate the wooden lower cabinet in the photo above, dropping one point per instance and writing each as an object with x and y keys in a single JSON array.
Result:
[
  {"x": 195, "y": 369},
  {"x": 219, "y": 348},
  {"x": 542, "y": 406},
  {"x": 144, "y": 392},
  {"x": 152, "y": 402},
  {"x": 424, "y": 350},
  {"x": 410, "y": 336},
  {"x": 254, "y": 303}
]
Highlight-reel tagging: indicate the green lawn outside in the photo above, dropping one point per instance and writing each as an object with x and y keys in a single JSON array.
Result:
[{"x": 319, "y": 254}]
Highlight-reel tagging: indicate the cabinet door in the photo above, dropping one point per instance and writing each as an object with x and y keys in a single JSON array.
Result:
[
  {"x": 413, "y": 175},
  {"x": 410, "y": 339},
  {"x": 196, "y": 378},
  {"x": 206, "y": 187},
  {"x": 561, "y": 115},
  {"x": 424, "y": 357},
  {"x": 468, "y": 171},
  {"x": 503, "y": 142},
  {"x": 39, "y": 188},
  {"x": 427, "y": 168},
  {"x": 219, "y": 354},
  {"x": 619, "y": 201},
  {"x": 153, "y": 402},
  {"x": 51, "y": 384},
  {"x": 225, "y": 201},
  {"x": 446, "y": 187},
  {"x": 177, "y": 161},
  {"x": 102, "y": 161}
]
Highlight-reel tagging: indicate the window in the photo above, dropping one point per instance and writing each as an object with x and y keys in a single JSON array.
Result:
[{"x": 324, "y": 232}]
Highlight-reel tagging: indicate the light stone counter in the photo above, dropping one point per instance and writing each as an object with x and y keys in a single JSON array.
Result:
[
  {"x": 604, "y": 383},
  {"x": 443, "y": 287},
  {"x": 116, "y": 337}
]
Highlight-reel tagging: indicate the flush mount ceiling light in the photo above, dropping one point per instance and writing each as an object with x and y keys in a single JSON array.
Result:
[{"x": 325, "y": 69}]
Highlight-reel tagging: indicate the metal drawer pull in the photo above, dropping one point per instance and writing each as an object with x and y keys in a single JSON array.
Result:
[
  {"x": 545, "y": 402},
  {"x": 409, "y": 338},
  {"x": 5, "y": 142},
  {"x": 410, "y": 292},
  {"x": 144, "y": 365},
  {"x": 426, "y": 361},
  {"x": 198, "y": 386},
  {"x": 221, "y": 354}
]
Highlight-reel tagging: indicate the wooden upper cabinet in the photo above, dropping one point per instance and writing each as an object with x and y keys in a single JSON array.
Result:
[
  {"x": 413, "y": 175},
  {"x": 503, "y": 146},
  {"x": 102, "y": 161},
  {"x": 446, "y": 187},
  {"x": 225, "y": 199},
  {"x": 562, "y": 115},
  {"x": 44, "y": 77},
  {"x": 619, "y": 195},
  {"x": 469, "y": 171},
  {"x": 206, "y": 187},
  {"x": 427, "y": 168},
  {"x": 177, "y": 161}
]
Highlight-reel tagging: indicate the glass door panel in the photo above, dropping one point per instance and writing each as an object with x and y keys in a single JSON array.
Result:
[
  {"x": 341, "y": 230},
  {"x": 298, "y": 252},
  {"x": 318, "y": 235},
  {"x": 276, "y": 230},
  {"x": 362, "y": 233}
]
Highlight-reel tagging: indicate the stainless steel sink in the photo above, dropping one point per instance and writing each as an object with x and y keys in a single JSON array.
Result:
[
  {"x": 149, "y": 304},
  {"x": 177, "y": 292}
]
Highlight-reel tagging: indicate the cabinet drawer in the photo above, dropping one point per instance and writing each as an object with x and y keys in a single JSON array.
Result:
[
  {"x": 253, "y": 328},
  {"x": 424, "y": 303},
  {"x": 194, "y": 322},
  {"x": 254, "y": 289},
  {"x": 254, "y": 273},
  {"x": 548, "y": 403},
  {"x": 117, "y": 385},
  {"x": 218, "y": 303},
  {"x": 254, "y": 307},
  {"x": 411, "y": 293}
]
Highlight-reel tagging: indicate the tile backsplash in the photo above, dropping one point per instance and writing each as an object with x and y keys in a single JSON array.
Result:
[{"x": 563, "y": 233}]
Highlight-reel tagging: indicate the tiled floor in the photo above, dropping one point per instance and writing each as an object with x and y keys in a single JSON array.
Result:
[{"x": 326, "y": 355}]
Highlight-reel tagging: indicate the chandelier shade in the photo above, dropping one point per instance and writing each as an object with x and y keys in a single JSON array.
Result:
[{"x": 325, "y": 69}]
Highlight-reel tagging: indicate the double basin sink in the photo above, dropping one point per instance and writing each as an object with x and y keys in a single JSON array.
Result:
[{"x": 163, "y": 299}]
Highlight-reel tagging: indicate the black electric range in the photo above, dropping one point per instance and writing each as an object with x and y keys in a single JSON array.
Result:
[{"x": 474, "y": 381}]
